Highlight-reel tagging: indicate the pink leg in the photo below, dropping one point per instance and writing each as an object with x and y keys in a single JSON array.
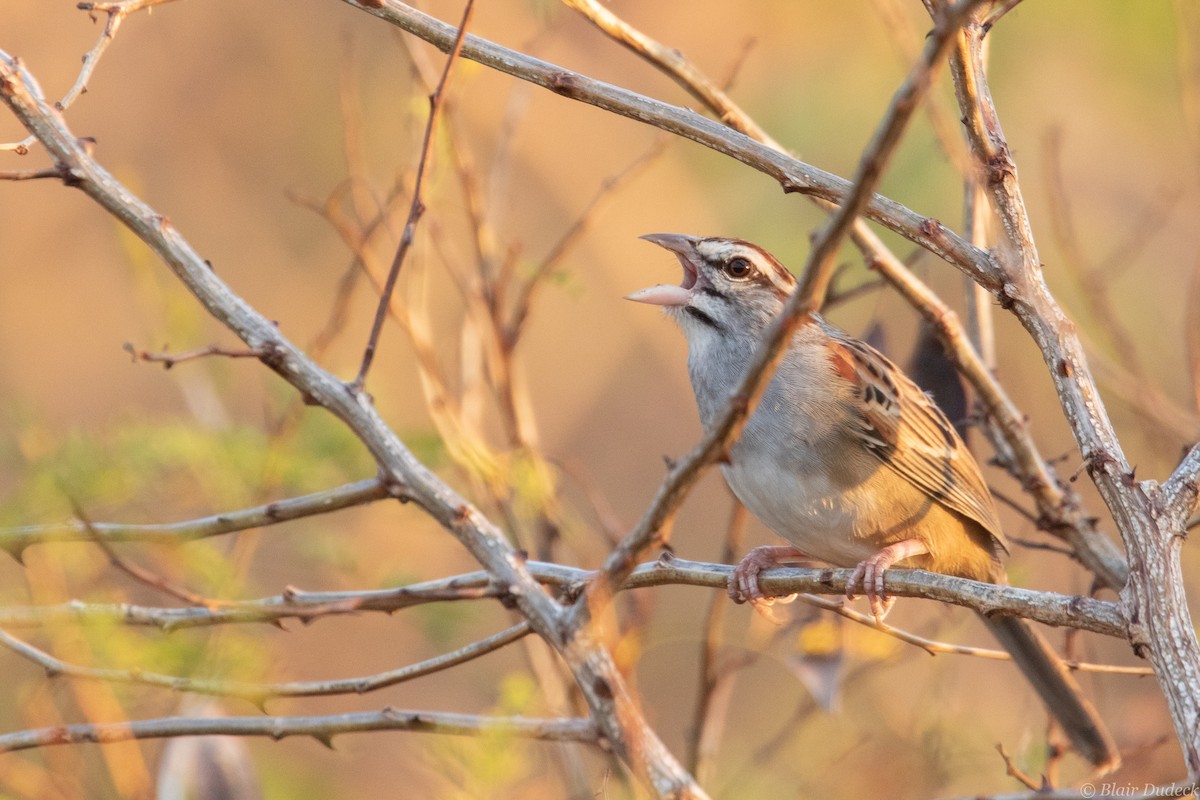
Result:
[
  {"x": 869, "y": 574},
  {"x": 743, "y": 583}
]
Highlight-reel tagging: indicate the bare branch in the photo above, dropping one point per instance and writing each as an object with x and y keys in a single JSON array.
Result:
[
  {"x": 29, "y": 174},
  {"x": 526, "y": 292},
  {"x": 15, "y": 540},
  {"x": 934, "y": 647},
  {"x": 1049, "y": 608},
  {"x": 418, "y": 202},
  {"x": 117, "y": 11},
  {"x": 1015, "y": 772},
  {"x": 259, "y": 693},
  {"x": 140, "y": 574},
  {"x": 677, "y": 66},
  {"x": 716, "y": 679},
  {"x": 321, "y": 728},
  {"x": 1182, "y": 490},
  {"x": 1153, "y": 597},
  {"x": 168, "y": 360}
]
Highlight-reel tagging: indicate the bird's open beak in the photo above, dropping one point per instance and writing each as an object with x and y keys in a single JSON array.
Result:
[{"x": 665, "y": 294}]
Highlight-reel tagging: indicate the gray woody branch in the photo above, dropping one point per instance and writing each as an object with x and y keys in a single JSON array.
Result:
[
  {"x": 321, "y": 728},
  {"x": 1050, "y": 608},
  {"x": 15, "y": 540},
  {"x": 1150, "y": 520}
]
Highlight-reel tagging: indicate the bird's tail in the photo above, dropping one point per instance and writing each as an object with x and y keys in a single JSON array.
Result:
[{"x": 1057, "y": 688}]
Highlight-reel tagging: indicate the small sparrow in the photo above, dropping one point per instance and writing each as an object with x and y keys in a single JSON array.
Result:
[{"x": 846, "y": 458}]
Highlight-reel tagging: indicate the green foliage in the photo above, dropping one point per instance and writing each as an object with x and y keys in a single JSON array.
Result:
[
  {"x": 172, "y": 464},
  {"x": 496, "y": 764}
]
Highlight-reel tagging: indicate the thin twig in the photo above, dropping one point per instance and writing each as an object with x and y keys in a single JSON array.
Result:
[
  {"x": 140, "y": 574},
  {"x": 169, "y": 360},
  {"x": 116, "y": 11},
  {"x": 527, "y": 290},
  {"x": 715, "y": 679},
  {"x": 259, "y": 693},
  {"x": 998, "y": 13},
  {"x": 29, "y": 174},
  {"x": 1015, "y": 772},
  {"x": 321, "y": 728},
  {"x": 935, "y": 647},
  {"x": 674, "y": 64},
  {"x": 418, "y": 204},
  {"x": 15, "y": 540}
]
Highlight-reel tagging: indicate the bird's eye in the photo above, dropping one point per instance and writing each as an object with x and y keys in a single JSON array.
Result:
[{"x": 738, "y": 267}]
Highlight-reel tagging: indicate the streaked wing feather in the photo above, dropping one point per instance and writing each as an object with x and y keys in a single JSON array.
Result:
[{"x": 902, "y": 427}]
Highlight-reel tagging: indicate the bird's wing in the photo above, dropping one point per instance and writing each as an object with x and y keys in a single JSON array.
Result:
[{"x": 902, "y": 427}]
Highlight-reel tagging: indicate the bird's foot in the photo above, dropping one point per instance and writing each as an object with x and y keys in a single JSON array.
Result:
[
  {"x": 869, "y": 575},
  {"x": 743, "y": 584}
]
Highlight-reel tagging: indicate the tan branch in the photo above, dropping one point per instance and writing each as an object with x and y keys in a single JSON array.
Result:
[{"x": 417, "y": 209}]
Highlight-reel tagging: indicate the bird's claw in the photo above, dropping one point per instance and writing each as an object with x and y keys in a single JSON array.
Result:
[{"x": 869, "y": 575}]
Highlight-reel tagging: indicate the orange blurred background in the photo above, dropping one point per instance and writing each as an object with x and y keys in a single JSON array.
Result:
[{"x": 221, "y": 114}]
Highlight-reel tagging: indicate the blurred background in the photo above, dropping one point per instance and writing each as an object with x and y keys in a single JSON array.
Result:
[{"x": 241, "y": 121}]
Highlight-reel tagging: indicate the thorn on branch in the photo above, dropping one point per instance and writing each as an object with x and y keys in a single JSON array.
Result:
[{"x": 1098, "y": 461}]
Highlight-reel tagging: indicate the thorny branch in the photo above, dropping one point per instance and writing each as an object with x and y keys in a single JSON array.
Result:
[
  {"x": 1153, "y": 595},
  {"x": 260, "y": 693},
  {"x": 15, "y": 540},
  {"x": 1050, "y": 608},
  {"x": 321, "y": 728}
]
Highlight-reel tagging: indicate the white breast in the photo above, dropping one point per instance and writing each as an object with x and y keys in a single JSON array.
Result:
[{"x": 803, "y": 506}]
